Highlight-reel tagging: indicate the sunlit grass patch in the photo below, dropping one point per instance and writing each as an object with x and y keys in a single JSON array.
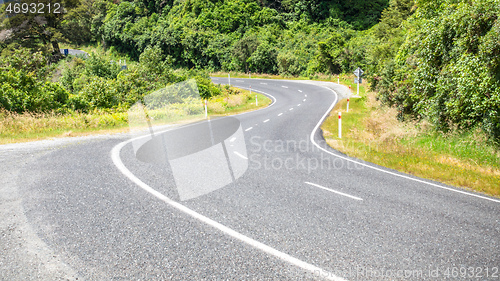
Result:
[
  {"x": 24, "y": 127},
  {"x": 372, "y": 133}
]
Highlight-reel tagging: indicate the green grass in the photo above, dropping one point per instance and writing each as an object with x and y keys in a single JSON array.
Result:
[
  {"x": 31, "y": 127},
  {"x": 372, "y": 133}
]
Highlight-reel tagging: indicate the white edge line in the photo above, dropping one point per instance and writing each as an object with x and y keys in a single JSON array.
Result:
[
  {"x": 378, "y": 169},
  {"x": 248, "y": 129},
  {"x": 334, "y": 191},
  {"x": 233, "y": 139},
  {"x": 115, "y": 155},
  {"x": 240, "y": 155},
  {"x": 257, "y": 91}
]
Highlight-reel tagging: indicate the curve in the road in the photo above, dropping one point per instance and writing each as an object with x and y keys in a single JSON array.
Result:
[{"x": 115, "y": 155}]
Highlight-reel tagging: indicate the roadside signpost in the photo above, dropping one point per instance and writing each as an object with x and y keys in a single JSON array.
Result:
[
  {"x": 206, "y": 110},
  {"x": 358, "y": 72},
  {"x": 340, "y": 125}
]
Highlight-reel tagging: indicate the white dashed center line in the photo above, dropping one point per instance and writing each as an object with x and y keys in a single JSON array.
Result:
[
  {"x": 248, "y": 129},
  {"x": 284, "y": 87},
  {"x": 280, "y": 114},
  {"x": 263, "y": 83},
  {"x": 233, "y": 139},
  {"x": 305, "y": 96},
  {"x": 304, "y": 100},
  {"x": 334, "y": 191},
  {"x": 291, "y": 108},
  {"x": 267, "y": 120},
  {"x": 240, "y": 155},
  {"x": 298, "y": 104},
  {"x": 300, "y": 91}
]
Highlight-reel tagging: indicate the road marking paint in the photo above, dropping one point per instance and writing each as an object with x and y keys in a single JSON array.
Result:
[
  {"x": 249, "y": 129},
  {"x": 280, "y": 114},
  {"x": 300, "y": 91},
  {"x": 267, "y": 120},
  {"x": 233, "y": 139},
  {"x": 284, "y": 87},
  {"x": 240, "y": 155},
  {"x": 334, "y": 191},
  {"x": 298, "y": 104},
  {"x": 264, "y": 93},
  {"x": 291, "y": 108},
  {"x": 304, "y": 100},
  {"x": 311, "y": 138},
  {"x": 263, "y": 83},
  {"x": 115, "y": 155}
]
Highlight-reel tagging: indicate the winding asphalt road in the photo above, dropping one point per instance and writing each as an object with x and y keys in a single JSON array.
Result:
[{"x": 89, "y": 209}]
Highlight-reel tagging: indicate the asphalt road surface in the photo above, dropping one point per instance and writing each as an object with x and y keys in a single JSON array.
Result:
[{"x": 284, "y": 207}]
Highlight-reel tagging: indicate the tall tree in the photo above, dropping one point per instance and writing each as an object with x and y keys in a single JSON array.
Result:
[{"x": 35, "y": 25}]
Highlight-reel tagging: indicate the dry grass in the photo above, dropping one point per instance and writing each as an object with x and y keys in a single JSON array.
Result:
[
  {"x": 237, "y": 100},
  {"x": 216, "y": 107},
  {"x": 16, "y": 127},
  {"x": 372, "y": 133},
  {"x": 37, "y": 126}
]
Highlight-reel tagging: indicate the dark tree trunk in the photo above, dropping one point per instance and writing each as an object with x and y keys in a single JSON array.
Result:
[{"x": 56, "y": 54}]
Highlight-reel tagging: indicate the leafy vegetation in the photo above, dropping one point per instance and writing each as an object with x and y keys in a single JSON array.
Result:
[
  {"x": 372, "y": 133},
  {"x": 434, "y": 61},
  {"x": 447, "y": 71}
]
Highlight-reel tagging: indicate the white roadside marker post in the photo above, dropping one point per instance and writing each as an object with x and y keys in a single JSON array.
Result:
[
  {"x": 340, "y": 125},
  {"x": 338, "y": 79},
  {"x": 347, "y": 104},
  {"x": 206, "y": 111},
  {"x": 256, "y": 101},
  {"x": 229, "y": 78}
]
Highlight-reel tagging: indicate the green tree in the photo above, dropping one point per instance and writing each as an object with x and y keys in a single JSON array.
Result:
[
  {"x": 37, "y": 30},
  {"x": 244, "y": 48}
]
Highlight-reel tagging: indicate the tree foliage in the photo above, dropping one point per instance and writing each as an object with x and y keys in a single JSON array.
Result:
[{"x": 447, "y": 70}]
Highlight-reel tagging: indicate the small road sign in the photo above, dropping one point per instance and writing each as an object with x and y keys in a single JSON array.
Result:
[
  {"x": 358, "y": 80},
  {"x": 358, "y": 72}
]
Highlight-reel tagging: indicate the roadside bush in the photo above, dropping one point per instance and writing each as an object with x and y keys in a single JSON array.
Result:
[
  {"x": 71, "y": 71},
  {"x": 447, "y": 70},
  {"x": 21, "y": 91},
  {"x": 100, "y": 93},
  {"x": 97, "y": 65}
]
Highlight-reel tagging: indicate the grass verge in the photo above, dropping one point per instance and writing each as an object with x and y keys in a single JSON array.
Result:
[
  {"x": 26, "y": 127},
  {"x": 372, "y": 133}
]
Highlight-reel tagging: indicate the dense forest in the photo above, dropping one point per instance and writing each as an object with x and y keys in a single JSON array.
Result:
[{"x": 434, "y": 60}]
